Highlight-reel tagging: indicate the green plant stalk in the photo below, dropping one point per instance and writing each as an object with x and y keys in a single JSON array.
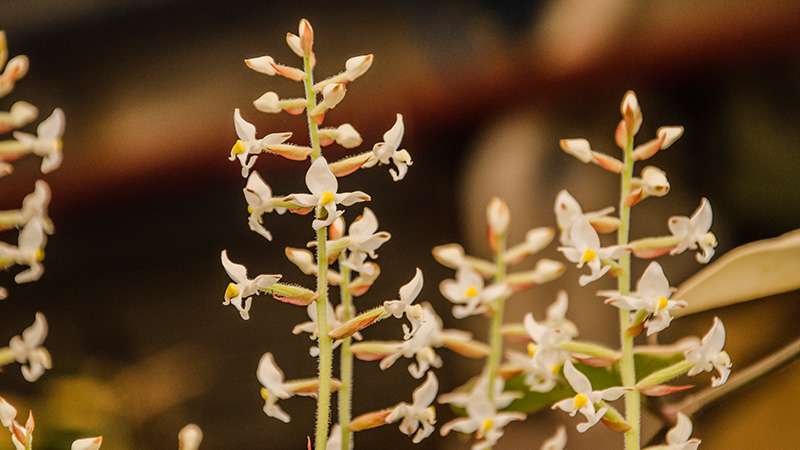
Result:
[
  {"x": 324, "y": 341},
  {"x": 346, "y": 364},
  {"x": 626, "y": 363},
  {"x": 495, "y": 330}
]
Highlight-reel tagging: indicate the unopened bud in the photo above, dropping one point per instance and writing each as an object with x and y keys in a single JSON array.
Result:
[
  {"x": 190, "y": 437},
  {"x": 498, "y": 216}
]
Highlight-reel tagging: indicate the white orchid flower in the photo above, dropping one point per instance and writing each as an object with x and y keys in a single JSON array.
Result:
[
  {"x": 585, "y": 398},
  {"x": 652, "y": 295},
  {"x": 29, "y": 252},
  {"x": 259, "y": 199},
  {"x": 365, "y": 239},
  {"x": 387, "y": 152},
  {"x": 190, "y": 437},
  {"x": 323, "y": 185},
  {"x": 47, "y": 141},
  {"x": 240, "y": 291},
  {"x": 585, "y": 249},
  {"x": 468, "y": 293},
  {"x": 247, "y": 147},
  {"x": 679, "y": 437},
  {"x": 694, "y": 232},
  {"x": 556, "y": 442},
  {"x": 403, "y": 306},
  {"x": 483, "y": 420},
  {"x": 271, "y": 378},
  {"x": 419, "y": 416},
  {"x": 479, "y": 391},
  {"x": 92, "y": 443},
  {"x": 708, "y": 355},
  {"x": 540, "y": 368},
  {"x": 311, "y": 326},
  {"x": 28, "y": 350},
  {"x": 556, "y": 316},
  {"x": 545, "y": 358},
  {"x": 36, "y": 203},
  {"x": 568, "y": 211},
  {"x": 421, "y": 340}
]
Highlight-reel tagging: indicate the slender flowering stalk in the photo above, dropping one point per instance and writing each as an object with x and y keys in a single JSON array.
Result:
[
  {"x": 497, "y": 309},
  {"x": 346, "y": 359}
]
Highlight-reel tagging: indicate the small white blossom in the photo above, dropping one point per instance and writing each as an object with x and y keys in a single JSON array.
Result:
[
  {"x": 35, "y": 204},
  {"x": 425, "y": 335},
  {"x": 29, "y": 251},
  {"x": 556, "y": 442},
  {"x": 311, "y": 327},
  {"x": 240, "y": 291},
  {"x": 694, "y": 232},
  {"x": 679, "y": 437},
  {"x": 483, "y": 420},
  {"x": 408, "y": 293},
  {"x": 652, "y": 295},
  {"x": 585, "y": 397},
  {"x": 545, "y": 358},
  {"x": 271, "y": 378},
  {"x": 708, "y": 355},
  {"x": 387, "y": 152},
  {"x": 323, "y": 185},
  {"x": 47, "y": 141},
  {"x": 92, "y": 443},
  {"x": 568, "y": 211},
  {"x": 468, "y": 293},
  {"x": 259, "y": 199},
  {"x": 419, "y": 416},
  {"x": 28, "y": 350},
  {"x": 479, "y": 391},
  {"x": 585, "y": 249},
  {"x": 248, "y": 147},
  {"x": 365, "y": 239}
]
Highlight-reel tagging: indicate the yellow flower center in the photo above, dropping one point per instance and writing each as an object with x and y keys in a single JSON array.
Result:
[
  {"x": 326, "y": 197},
  {"x": 580, "y": 401},
  {"x": 59, "y": 144},
  {"x": 431, "y": 413},
  {"x": 531, "y": 349},
  {"x": 238, "y": 148},
  {"x": 264, "y": 393},
  {"x": 249, "y": 209},
  {"x": 662, "y": 303},
  {"x": 231, "y": 291},
  {"x": 486, "y": 425},
  {"x": 39, "y": 256},
  {"x": 471, "y": 292},
  {"x": 588, "y": 255},
  {"x": 555, "y": 368}
]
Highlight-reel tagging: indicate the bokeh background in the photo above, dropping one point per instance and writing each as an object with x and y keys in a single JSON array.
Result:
[{"x": 146, "y": 198}]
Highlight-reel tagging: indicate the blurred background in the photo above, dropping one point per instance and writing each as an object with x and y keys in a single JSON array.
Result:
[{"x": 146, "y": 197}]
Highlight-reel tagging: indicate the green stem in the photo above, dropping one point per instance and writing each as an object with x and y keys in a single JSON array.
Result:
[
  {"x": 346, "y": 365},
  {"x": 626, "y": 364},
  {"x": 324, "y": 341},
  {"x": 495, "y": 330}
]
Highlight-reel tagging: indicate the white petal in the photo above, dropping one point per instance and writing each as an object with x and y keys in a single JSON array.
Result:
[
  {"x": 425, "y": 394},
  {"x": 245, "y": 130},
  {"x": 53, "y": 126},
  {"x": 394, "y": 136},
  {"x": 319, "y": 178},
  {"x": 702, "y": 217},
  {"x": 558, "y": 309},
  {"x": 262, "y": 64},
  {"x": 681, "y": 432},
  {"x": 410, "y": 290},
  {"x": 190, "y": 437},
  {"x": 653, "y": 283},
  {"x": 579, "y": 382},
  {"x": 578, "y": 148},
  {"x": 88, "y": 443},
  {"x": 237, "y": 272}
]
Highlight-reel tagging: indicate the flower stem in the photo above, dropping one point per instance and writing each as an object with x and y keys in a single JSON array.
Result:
[
  {"x": 495, "y": 330},
  {"x": 346, "y": 365},
  {"x": 626, "y": 364},
  {"x": 324, "y": 341}
]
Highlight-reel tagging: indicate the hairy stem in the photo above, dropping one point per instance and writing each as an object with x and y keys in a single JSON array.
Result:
[
  {"x": 346, "y": 365},
  {"x": 626, "y": 363},
  {"x": 311, "y": 103},
  {"x": 495, "y": 330}
]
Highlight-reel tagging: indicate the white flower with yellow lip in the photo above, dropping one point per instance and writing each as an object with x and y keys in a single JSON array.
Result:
[
  {"x": 679, "y": 437},
  {"x": 419, "y": 416},
  {"x": 585, "y": 398},
  {"x": 694, "y": 232},
  {"x": 259, "y": 199},
  {"x": 323, "y": 185},
  {"x": 483, "y": 420},
  {"x": 36, "y": 203},
  {"x": 652, "y": 295},
  {"x": 247, "y": 147},
  {"x": 468, "y": 293},
  {"x": 271, "y": 378},
  {"x": 568, "y": 211},
  {"x": 585, "y": 250},
  {"x": 47, "y": 141},
  {"x": 28, "y": 350},
  {"x": 421, "y": 340},
  {"x": 708, "y": 355},
  {"x": 29, "y": 251},
  {"x": 240, "y": 291},
  {"x": 556, "y": 442},
  {"x": 403, "y": 306},
  {"x": 388, "y": 151},
  {"x": 365, "y": 239}
]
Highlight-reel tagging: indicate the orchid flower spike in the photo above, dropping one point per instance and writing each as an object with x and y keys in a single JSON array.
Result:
[
  {"x": 483, "y": 420},
  {"x": 365, "y": 239},
  {"x": 652, "y": 295},
  {"x": 240, "y": 291},
  {"x": 29, "y": 252},
  {"x": 419, "y": 416},
  {"x": 190, "y": 437},
  {"x": 28, "y": 350},
  {"x": 387, "y": 152},
  {"x": 408, "y": 293},
  {"x": 468, "y": 294},
  {"x": 585, "y": 249},
  {"x": 585, "y": 398},
  {"x": 708, "y": 355},
  {"x": 248, "y": 147},
  {"x": 556, "y": 442},
  {"x": 568, "y": 211},
  {"x": 92, "y": 443},
  {"x": 322, "y": 184},
  {"x": 271, "y": 378},
  {"x": 679, "y": 437},
  {"x": 47, "y": 141},
  {"x": 259, "y": 199},
  {"x": 694, "y": 232}
]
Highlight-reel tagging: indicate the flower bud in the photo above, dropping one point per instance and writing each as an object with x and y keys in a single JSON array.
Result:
[
  {"x": 89, "y": 443},
  {"x": 358, "y": 323},
  {"x": 293, "y": 41},
  {"x": 290, "y": 151},
  {"x": 306, "y": 33},
  {"x": 262, "y": 64},
  {"x": 370, "y": 420},
  {"x": 268, "y": 103},
  {"x": 356, "y": 66},
  {"x": 498, "y": 216},
  {"x": 347, "y": 136},
  {"x": 337, "y": 229},
  {"x": 7, "y": 413},
  {"x": 346, "y": 166},
  {"x": 302, "y": 258},
  {"x": 292, "y": 294},
  {"x": 669, "y": 135},
  {"x": 578, "y": 148},
  {"x": 654, "y": 182},
  {"x": 17, "y": 67},
  {"x": 631, "y": 113},
  {"x": 190, "y": 437}
]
